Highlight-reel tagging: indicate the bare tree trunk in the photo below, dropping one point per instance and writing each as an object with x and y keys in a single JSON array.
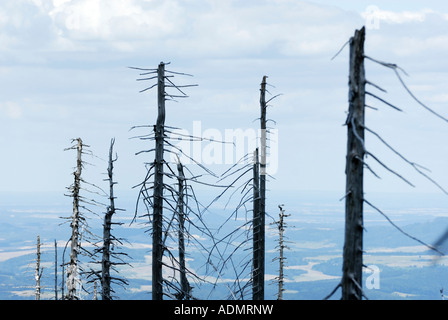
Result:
[
  {"x": 72, "y": 271},
  {"x": 63, "y": 277},
  {"x": 105, "y": 262},
  {"x": 185, "y": 286},
  {"x": 257, "y": 275},
  {"x": 260, "y": 223},
  {"x": 281, "y": 230},
  {"x": 95, "y": 291},
  {"x": 39, "y": 270},
  {"x": 353, "y": 246},
  {"x": 157, "y": 246},
  {"x": 55, "y": 270},
  {"x": 262, "y": 183}
]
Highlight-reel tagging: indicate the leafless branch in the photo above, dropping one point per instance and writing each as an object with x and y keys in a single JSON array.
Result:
[
  {"x": 401, "y": 230},
  {"x": 395, "y": 68}
]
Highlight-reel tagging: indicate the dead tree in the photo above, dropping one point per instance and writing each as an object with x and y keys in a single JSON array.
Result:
[
  {"x": 157, "y": 249},
  {"x": 107, "y": 226},
  {"x": 183, "y": 211},
  {"x": 185, "y": 285},
  {"x": 353, "y": 248},
  {"x": 39, "y": 270},
  {"x": 220, "y": 257},
  {"x": 260, "y": 216},
  {"x": 78, "y": 223},
  {"x": 257, "y": 195},
  {"x": 281, "y": 257},
  {"x": 108, "y": 239},
  {"x": 95, "y": 291},
  {"x": 281, "y": 225},
  {"x": 73, "y": 271},
  {"x": 55, "y": 270},
  {"x": 158, "y": 200},
  {"x": 259, "y": 223},
  {"x": 108, "y": 247},
  {"x": 353, "y": 245},
  {"x": 63, "y": 272},
  {"x": 356, "y": 151},
  {"x": 258, "y": 253}
]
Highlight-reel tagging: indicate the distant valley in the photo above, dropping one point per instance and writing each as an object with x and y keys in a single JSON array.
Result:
[{"x": 314, "y": 259}]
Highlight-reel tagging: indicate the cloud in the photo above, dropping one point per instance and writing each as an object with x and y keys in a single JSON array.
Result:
[
  {"x": 374, "y": 13},
  {"x": 407, "y": 33},
  {"x": 14, "y": 254},
  {"x": 11, "y": 110},
  {"x": 282, "y": 28},
  {"x": 114, "y": 19},
  {"x": 186, "y": 28}
]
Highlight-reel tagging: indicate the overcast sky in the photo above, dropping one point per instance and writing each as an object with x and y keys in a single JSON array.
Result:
[{"x": 63, "y": 75}]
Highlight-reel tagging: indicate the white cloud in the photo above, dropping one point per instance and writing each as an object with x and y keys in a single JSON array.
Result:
[
  {"x": 405, "y": 16},
  {"x": 270, "y": 28},
  {"x": 11, "y": 110},
  {"x": 187, "y": 28},
  {"x": 14, "y": 254},
  {"x": 373, "y": 12},
  {"x": 114, "y": 20}
]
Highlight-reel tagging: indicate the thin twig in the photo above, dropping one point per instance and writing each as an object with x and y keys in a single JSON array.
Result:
[
  {"x": 340, "y": 50},
  {"x": 394, "y": 67},
  {"x": 384, "y": 101},
  {"x": 401, "y": 230}
]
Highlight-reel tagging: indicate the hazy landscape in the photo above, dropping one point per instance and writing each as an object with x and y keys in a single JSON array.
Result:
[{"x": 314, "y": 260}]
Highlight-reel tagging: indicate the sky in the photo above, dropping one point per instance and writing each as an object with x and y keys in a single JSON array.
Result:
[{"x": 64, "y": 74}]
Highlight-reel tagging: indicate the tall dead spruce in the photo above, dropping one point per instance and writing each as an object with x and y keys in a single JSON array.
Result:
[
  {"x": 55, "y": 270},
  {"x": 39, "y": 270},
  {"x": 281, "y": 226},
  {"x": 162, "y": 225},
  {"x": 357, "y": 153},
  {"x": 185, "y": 292},
  {"x": 260, "y": 204},
  {"x": 79, "y": 226},
  {"x": 109, "y": 247},
  {"x": 259, "y": 220},
  {"x": 353, "y": 246},
  {"x": 73, "y": 272},
  {"x": 105, "y": 261},
  {"x": 157, "y": 246},
  {"x": 108, "y": 239},
  {"x": 258, "y": 199},
  {"x": 258, "y": 241}
]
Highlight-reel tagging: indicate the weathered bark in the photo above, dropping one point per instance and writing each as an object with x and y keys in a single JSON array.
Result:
[
  {"x": 55, "y": 270},
  {"x": 39, "y": 270},
  {"x": 105, "y": 262},
  {"x": 72, "y": 270},
  {"x": 95, "y": 291},
  {"x": 184, "y": 284},
  {"x": 257, "y": 272},
  {"x": 353, "y": 246},
  {"x": 281, "y": 230},
  {"x": 157, "y": 246},
  {"x": 260, "y": 223},
  {"x": 63, "y": 275}
]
